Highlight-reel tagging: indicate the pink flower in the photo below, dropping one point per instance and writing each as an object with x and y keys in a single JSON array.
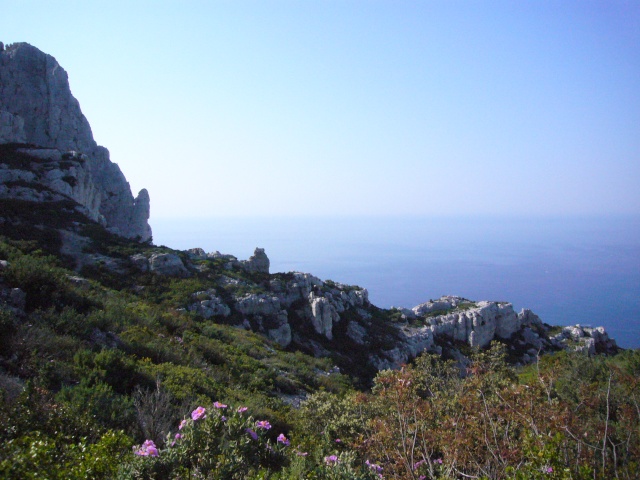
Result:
[
  {"x": 178, "y": 436},
  {"x": 219, "y": 405},
  {"x": 418, "y": 464},
  {"x": 198, "y": 413},
  {"x": 438, "y": 461},
  {"x": 147, "y": 449},
  {"x": 183, "y": 423},
  {"x": 282, "y": 439},
  {"x": 374, "y": 466},
  {"x": 253, "y": 434},
  {"x": 223, "y": 418},
  {"x": 302, "y": 454},
  {"x": 242, "y": 409},
  {"x": 263, "y": 424},
  {"x": 331, "y": 460},
  {"x": 338, "y": 440}
]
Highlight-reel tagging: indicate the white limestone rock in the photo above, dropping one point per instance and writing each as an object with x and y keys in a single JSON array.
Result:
[
  {"x": 38, "y": 108},
  {"x": 258, "y": 304},
  {"x": 296, "y": 289},
  {"x": 529, "y": 319},
  {"x": 168, "y": 264},
  {"x": 447, "y": 302},
  {"x": 140, "y": 261},
  {"x": 479, "y": 325},
  {"x": 589, "y": 340},
  {"x": 209, "y": 305},
  {"x": 197, "y": 254},
  {"x": 257, "y": 263},
  {"x": 323, "y": 315},
  {"x": 406, "y": 313},
  {"x": 416, "y": 341},
  {"x": 221, "y": 256}
]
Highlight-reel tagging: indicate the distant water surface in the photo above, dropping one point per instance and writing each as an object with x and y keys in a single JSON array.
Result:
[{"x": 567, "y": 270}]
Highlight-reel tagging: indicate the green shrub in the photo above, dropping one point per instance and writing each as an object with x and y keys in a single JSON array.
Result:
[
  {"x": 98, "y": 401},
  {"x": 37, "y": 456},
  {"x": 218, "y": 442}
]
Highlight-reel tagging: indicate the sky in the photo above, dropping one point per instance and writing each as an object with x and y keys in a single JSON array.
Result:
[{"x": 371, "y": 107}]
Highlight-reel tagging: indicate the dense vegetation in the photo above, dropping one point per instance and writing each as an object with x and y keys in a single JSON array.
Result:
[{"x": 104, "y": 378}]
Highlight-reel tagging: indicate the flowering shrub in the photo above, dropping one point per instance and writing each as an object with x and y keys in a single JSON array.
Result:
[
  {"x": 282, "y": 439},
  {"x": 198, "y": 413},
  {"x": 331, "y": 460},
  {"x": 264, "y": 424},
  {"x": 147, "y": 449},
  {"x": 218, "y": 441}
]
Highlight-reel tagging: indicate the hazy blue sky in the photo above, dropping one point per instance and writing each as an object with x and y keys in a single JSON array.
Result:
[{"x": 356, "y": 107}]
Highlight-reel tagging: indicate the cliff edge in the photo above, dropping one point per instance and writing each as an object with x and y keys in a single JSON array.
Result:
[{"x": 37, "y": 109}]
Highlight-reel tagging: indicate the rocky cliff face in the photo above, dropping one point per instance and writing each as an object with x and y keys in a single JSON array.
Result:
[{"x": 37, "y": 108}]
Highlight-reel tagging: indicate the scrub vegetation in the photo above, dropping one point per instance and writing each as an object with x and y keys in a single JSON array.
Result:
[{"x": 103, "y": 377}]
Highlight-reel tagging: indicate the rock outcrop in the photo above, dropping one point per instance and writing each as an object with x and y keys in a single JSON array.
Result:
[
  {"x": 37, "y": 108},
  {"x": 301, "y": 309},
  {"x": 257, "y": 263},
  {"x": 168, "y": 264},
  {"x": 208, "y": 305},
  {"x": 477, "y": 324}
]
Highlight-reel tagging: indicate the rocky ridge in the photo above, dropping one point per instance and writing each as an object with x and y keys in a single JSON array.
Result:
[
  {"x": 60, "y": 157},
  {"x": 299, "y": 310}
]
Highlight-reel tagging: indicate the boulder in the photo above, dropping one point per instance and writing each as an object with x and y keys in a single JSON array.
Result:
[
  {"x": 140, "y": 261},
  {"x": 197, "y": 254},
  {"x": 168, "y": 264}
]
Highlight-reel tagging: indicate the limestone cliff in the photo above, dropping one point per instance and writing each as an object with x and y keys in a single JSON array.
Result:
[{"x": 37, "y": 108}]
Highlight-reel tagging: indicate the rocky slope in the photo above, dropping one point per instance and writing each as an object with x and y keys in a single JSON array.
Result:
[
  {"x": 58, "y": 186},
  {"x": 60, "y": 156},
  {"x": 325, "y": 318}
]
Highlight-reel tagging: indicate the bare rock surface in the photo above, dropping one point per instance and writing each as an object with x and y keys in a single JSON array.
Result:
[
  {"x": 37, "y": 108},
  {"x": 258, "y": 262},
  {"x": 11, "y": 128},
  {"x": 168, "y": 264}
]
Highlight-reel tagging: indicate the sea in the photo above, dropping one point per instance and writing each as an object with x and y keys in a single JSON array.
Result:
[{"x": 567, "y": 270}]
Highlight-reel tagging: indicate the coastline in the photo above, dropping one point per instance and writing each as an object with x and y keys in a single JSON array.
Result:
[{"x": 568, "y": 270}]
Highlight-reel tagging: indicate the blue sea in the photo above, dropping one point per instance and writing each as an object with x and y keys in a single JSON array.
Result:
[{"x": 567, "y": 270}]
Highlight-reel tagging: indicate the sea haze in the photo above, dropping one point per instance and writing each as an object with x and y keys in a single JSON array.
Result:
[{"x": 567, "y": 270}]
